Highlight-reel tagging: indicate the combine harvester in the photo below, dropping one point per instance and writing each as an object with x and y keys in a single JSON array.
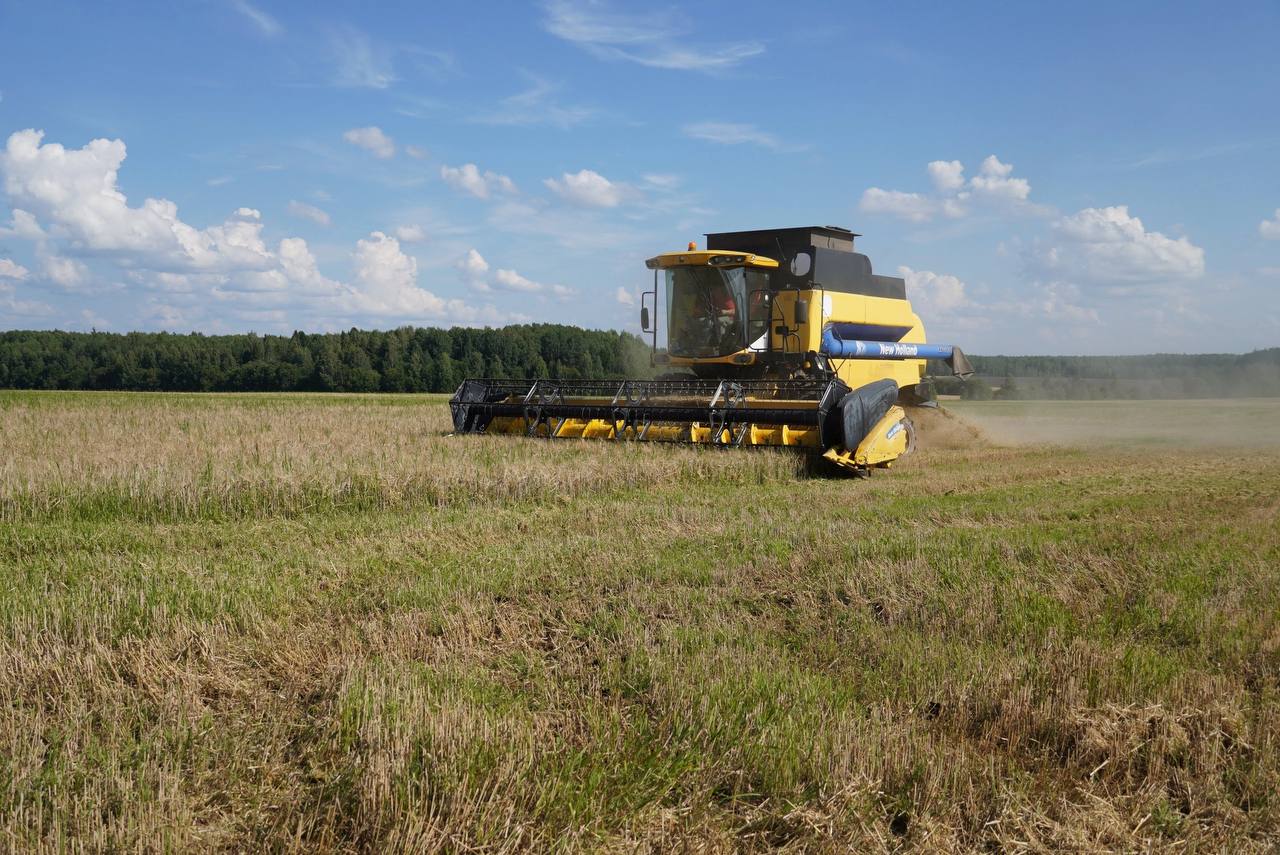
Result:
[{"x": 782, "y": 337}]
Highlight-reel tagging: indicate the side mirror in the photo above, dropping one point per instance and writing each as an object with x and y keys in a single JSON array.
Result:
[
  {"x": 644, "y": 319},
  {"x": 802, "y": 311}
]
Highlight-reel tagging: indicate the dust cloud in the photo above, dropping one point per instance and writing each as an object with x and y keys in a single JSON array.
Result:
[{"x": 1245, "y": 423}]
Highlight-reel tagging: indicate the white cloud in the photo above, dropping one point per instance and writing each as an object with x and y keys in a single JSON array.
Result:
[
  {"x": 994, "y": 180},
  {"x": 360, "y": 63},
  {"x": 373, "y": 140},
  {"x": 623, "y": 296},
  {"x": 587, "y": 188},
  {"x": 76, "y": 191},
  {"x": 1270, "y": 229},
  {"x": 22, "y": 224},
  {"x": 732, "y": 133},
  {"x": 509, "y": 280},
  {"x": 934, "y": 293},
  {"x": 12, "y": 270},
  {"x": 64, "y": 272},
  {"x": 662, "y": 181},
  {"x": 385, "y": 285},
  {"x": 654, "y": 39},
  {"x": 299, "y": 269},
  {"x": 412, "y": 233},
  {"x": 468, "y": 179},
  {"x": 1109, "y": 247},
  {"x": 914, "y": 207},
  {"x": 309, "y": 212},
  {"x": 473, "y": 266},
  {"x": 475, "y": 272},
  {"x": 265, "y": 24},
  {"x": 416, "y": 152},
  {"x": 994, "y": 187},
  {"x": 947, "y": 175},
  {"x": 386, "y": 279}
]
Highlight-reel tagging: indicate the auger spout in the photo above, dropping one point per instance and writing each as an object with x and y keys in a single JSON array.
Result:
[{"x": 841, "y": 348}]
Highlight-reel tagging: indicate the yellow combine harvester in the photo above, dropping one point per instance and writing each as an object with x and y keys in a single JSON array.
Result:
[{"x": 778, "y": 337}]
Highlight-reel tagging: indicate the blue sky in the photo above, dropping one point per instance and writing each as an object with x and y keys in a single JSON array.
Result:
[{"x": 1065, "y": 178}]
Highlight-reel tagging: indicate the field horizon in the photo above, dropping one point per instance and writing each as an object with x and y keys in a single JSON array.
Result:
[{"x": 318, "y": 622}]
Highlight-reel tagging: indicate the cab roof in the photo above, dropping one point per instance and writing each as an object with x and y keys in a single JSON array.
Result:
[{"x": 709, "y": 258}]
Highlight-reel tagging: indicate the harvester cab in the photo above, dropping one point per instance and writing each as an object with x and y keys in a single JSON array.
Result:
[{"x": 777, "y": 337}]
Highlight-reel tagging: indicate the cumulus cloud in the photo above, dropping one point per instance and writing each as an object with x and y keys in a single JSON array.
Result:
[
  {"x": 1110, "y": 247},
  {"x": 509, "y": 280},
  {"x": 309, "y": 212},
  {"x": 655, "y": 39},
  {"x": 995, "y": 180},
  {"x": 75, "y": 192},
  {"x": 412, "y": 233},
  {"x": 914, "y": 207},
  {"x": 386, "y": 279},
  {"x": 954, "y": 195},
  {"x": 625, "y": 297},
  {"x": 473, "y": 266},
  {"x": 416, "y": 152},
  {"x": 66, "y": 273},
  {"x": 22, "y": 224},
  {"x": 475, "y": 272},
  {"x": 468, "y": 179},
  {"x": 947, "y": 175},
  {"x": 10, "y": 269},
  {"x": 934, "y": 293},
  {"x": 587, "y": 188},
  {"x": 372, "y": 140},
  {"x": 1270, "y": 229}
]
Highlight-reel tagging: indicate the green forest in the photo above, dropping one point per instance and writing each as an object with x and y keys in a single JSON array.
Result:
[
  {"x": 413, "y": 359},
  {"x": 403, "y": 360}
]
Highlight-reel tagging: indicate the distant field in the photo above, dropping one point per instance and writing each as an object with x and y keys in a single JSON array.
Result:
[{"x": 289, "y": 622}]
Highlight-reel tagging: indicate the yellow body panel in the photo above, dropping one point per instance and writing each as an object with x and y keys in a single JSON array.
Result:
[
  {"x": 891, "y": 438},
  {"x": 827, "y": 307}
]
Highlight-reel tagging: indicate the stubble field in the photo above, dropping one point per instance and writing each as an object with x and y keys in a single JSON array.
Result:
[{"x": 318, "y": 623}]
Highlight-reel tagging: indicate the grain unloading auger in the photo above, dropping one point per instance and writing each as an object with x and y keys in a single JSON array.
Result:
[{"x": 779, "y": 337}]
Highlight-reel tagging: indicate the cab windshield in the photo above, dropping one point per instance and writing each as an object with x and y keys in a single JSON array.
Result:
[{"x": 715, "y": 311}]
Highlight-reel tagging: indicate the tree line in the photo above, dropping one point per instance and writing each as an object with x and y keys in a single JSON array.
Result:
[
  {"x": 414, "y": 359},
  {"x": 1171, "y": 375},
  {"x": 408, "y": 359}
]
